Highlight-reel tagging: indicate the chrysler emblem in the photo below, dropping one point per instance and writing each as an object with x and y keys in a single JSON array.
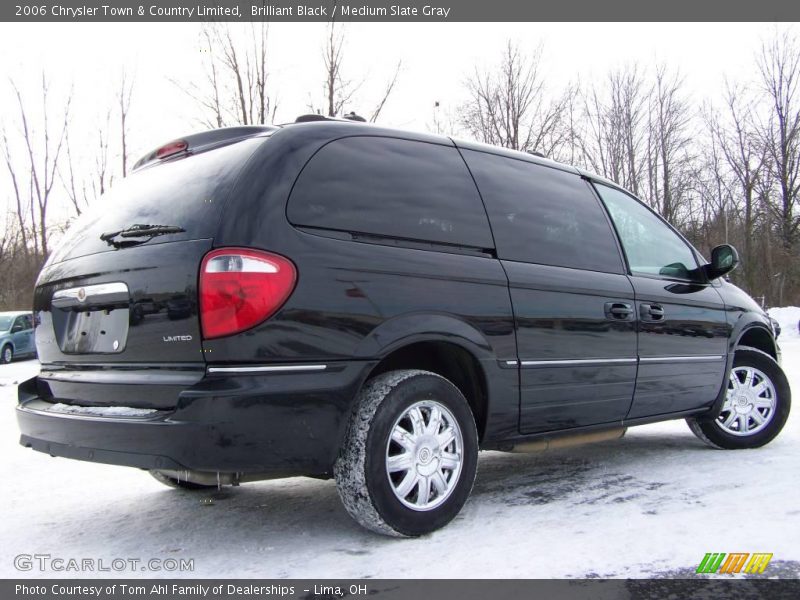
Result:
[{"x": 81, "y": 295}]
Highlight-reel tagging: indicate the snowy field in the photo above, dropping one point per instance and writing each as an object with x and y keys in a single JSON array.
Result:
[{"x": 650, "y": 505}]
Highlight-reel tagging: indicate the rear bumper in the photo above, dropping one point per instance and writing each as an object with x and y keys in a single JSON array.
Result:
[{"x": 283, "y": 423}]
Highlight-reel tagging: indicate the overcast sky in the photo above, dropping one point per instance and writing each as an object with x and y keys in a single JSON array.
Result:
[{"x": 436, "y": 58}]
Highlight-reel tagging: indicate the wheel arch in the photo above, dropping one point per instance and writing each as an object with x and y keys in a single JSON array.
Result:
[
  {"x": 440, "y": 343},
  {"x": 759, "y": 337},
  {"x": 753, "y": 337},
  {"x": 449, "y": 359}
]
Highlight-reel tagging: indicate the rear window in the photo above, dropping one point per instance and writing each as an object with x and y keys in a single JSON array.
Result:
[
  {"x": 391, "y": 187},
  {"x": 187, "y": 192}
]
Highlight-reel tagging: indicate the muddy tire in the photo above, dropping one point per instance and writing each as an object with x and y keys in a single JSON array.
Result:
[{"x": 410, "y": 454}]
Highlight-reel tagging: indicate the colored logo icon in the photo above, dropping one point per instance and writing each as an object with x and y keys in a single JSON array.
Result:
[{"x": 735, "y": 562}]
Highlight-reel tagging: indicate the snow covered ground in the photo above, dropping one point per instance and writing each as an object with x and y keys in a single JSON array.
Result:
[
  {"x": 788, "y": 317},
  {"x": 649, "y": 505}
]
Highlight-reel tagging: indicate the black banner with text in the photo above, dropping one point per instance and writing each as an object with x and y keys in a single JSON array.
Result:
[{"x": 407, "y": 11}]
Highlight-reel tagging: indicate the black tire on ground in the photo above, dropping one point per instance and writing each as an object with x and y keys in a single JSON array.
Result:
[
  {"x": 173, "y": 482},
  {"x": 712, "y": 432},
  {"x": 6, "y": 354},
  {"x": 364, "y": 484}
]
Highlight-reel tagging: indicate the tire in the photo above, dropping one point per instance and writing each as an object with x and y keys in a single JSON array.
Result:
[
  {"x": 756, "y": 405},
  {"x": 377, "y": 499},
  {"x": 178, "y": 483},
  {"x": 7, "y": 354}
]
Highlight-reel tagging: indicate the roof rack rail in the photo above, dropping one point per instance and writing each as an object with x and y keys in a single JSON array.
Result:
[
  {"x": 312, "y": 117},
  {"x": 352, "y": 116}
]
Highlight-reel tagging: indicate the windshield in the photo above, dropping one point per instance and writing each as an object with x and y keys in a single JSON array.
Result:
[{"x": 5, "y": 322}]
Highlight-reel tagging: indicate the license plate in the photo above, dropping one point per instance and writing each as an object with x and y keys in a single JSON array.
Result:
[{"x": 92, "y": 319}]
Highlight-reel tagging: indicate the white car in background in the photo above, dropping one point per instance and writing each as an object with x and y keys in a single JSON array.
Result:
[{"x": 16, "y": 335}]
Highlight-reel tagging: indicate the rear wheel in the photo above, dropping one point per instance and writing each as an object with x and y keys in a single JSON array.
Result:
[
  {"x": 756, "y": 405},
  {"x": 7, "y": 354},
  {"x": 410, "y": 456},
  {"x": 174, "y": 482}
]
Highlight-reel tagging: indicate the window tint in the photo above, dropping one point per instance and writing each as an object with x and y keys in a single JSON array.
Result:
[
  {"x": 651, "y": 246},
  {"x": 544, "y": 215},
  {"x": 391, "y": 187},
  {"x": 27, "y": 322},
  {"x": 188, "y": 192}
]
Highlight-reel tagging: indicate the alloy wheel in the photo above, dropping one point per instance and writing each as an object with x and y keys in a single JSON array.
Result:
[
  {"x": 749, "y": 404},
  {"x": 424, "y": 455}
]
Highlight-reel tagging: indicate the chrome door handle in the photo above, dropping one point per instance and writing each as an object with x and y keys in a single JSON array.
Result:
[
  {"x": 618, "y": 311},
  {"x": 652, "y": 312}
]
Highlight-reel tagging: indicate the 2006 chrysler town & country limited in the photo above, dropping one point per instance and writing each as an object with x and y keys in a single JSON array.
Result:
[{"x": 335, "y": 299}]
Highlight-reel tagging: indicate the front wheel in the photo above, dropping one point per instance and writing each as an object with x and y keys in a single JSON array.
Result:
[
  {"x": 409, "y": 459},
  {"x": 7, "y": 355},
  {"x": 756, "y": 405}
]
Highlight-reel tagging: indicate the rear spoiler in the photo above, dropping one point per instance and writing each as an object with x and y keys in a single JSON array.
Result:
[{"x": 200, "y": 142}]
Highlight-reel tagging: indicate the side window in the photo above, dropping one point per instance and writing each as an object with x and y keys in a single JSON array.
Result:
[
  {"x": 19, "y": 324},
  {"x": 544, "y": 215},
  {"x": 651, "y": 246},
  {"x": 27, "y": 322},
  {"x": 391, "y": 187}
]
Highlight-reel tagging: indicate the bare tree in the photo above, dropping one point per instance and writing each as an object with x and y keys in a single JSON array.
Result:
[
  {"x": 21, "y": 214},
  {"x": 124, "y": 104},
  {"x": 444, "y": 120},
  {"x": 737, "y": 137},
  {"x": 236, "y": 90},
  {"x": 340, "y": 91},
  {"x": 43, "y": 145},
  {"x": 668, "y": 146},
  {"x": 387, "y": 91},
  {"x": 779, "y": 67},
  {"x": 508, "y": 106},
  {"x": 69, "y": 182},
  {"x": 712, "y": 204},
  {"x": 84, "y": 189},
  {"x": 615, "y": 117}
]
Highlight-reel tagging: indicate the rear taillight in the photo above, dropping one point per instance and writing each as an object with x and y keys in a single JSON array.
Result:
[{"x": 240, "y": 288}]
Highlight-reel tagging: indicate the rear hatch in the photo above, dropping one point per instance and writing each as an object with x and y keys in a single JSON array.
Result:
[{"x": 116, "y": 303}]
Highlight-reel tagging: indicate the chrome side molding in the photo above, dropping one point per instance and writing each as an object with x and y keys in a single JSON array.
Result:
[{"x": 267, "y": 369}]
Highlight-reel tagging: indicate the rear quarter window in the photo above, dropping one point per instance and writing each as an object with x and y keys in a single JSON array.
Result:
[{"x": 391, "y": 187}]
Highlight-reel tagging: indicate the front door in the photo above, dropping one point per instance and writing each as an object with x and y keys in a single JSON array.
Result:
[{"x": 683, "y": 332}]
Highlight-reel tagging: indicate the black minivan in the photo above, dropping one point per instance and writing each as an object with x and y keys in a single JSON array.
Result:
[{"x": 336, "y": 299}]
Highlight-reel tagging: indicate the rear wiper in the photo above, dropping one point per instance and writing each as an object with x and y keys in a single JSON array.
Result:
[{"x": 148, "y": 232}]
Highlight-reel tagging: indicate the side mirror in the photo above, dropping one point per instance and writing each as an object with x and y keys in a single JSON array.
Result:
[
  {"x": 16, "y": 329},
  {"x": 724, "y": 259}
]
